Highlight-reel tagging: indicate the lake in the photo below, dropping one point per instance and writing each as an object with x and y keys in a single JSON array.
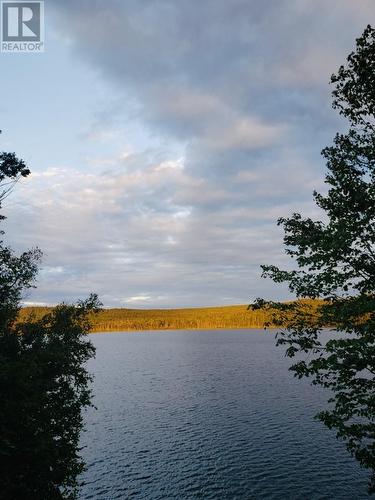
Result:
[{"x": 208, "y": 414}]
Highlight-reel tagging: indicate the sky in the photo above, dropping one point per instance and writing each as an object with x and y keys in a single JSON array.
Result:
[{"x": 165, "y": 139}]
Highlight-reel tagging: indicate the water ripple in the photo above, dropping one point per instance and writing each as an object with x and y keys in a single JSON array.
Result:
[{"x": 213, "y": 415}]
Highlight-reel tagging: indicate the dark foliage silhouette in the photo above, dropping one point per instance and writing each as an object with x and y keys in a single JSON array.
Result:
[
  {"x": 336, "y": 262},
  {"x": 44, "y": 385}
]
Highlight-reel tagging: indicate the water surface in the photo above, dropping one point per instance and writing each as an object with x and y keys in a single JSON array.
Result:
[{"x": 208, "y": 414}]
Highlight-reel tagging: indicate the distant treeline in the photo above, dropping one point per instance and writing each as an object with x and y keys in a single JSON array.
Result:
[{"x": 109, "y": 320}]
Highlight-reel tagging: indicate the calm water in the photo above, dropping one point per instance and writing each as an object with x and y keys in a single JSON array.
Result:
[{"x": 211, "y": 414}]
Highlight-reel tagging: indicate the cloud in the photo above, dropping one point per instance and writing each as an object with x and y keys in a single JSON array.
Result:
[
  {"x": 231, "y": 102},
  {"x": 153, "y": 231},
  {"x": 137, "y": 298}
]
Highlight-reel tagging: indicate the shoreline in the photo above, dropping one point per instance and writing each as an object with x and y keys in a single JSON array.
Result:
[
  {"x": 198, "y": 318},
  {"x": 183, "y": 329}
]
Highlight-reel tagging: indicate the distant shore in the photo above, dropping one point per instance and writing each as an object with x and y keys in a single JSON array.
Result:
[{"x": 199, "y": 318}]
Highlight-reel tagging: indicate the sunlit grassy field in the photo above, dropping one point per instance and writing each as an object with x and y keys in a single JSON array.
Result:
[{"x": 110, "y": 320}]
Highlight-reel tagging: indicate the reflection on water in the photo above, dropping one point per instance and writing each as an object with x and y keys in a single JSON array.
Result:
[{"x": 209, "y": 414}]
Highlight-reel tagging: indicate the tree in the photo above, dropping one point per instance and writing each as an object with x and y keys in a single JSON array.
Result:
[
  {"x": 44, "y": 385},
  {"x": 11, "y": 171},
  {"x": 336, "y": 267},
  {"x": 16, "y": 273}
]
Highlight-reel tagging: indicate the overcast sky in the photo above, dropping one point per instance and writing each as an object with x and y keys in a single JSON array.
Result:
[{"x": 165, "y": 137}]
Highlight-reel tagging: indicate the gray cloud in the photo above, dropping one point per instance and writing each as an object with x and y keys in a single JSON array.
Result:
[{"x": 240, "y": 88}]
